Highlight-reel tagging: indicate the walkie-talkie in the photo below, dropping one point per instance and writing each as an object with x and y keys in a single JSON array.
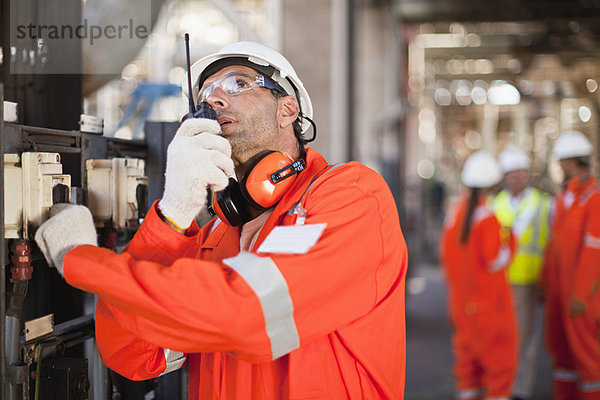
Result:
[{"x": 203, "y": 110}]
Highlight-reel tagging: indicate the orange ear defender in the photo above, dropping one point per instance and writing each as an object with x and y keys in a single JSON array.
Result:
[{"x": 265, "y": 182}]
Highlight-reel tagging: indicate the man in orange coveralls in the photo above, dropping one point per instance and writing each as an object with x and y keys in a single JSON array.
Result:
[
  {"x": 571, "y": 274},
  {"x": 304, "y": 300},
  {"x": 475, "y": 250}
]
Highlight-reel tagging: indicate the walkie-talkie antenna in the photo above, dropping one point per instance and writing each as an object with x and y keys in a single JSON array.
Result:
[{"x": 189, "y": 74}]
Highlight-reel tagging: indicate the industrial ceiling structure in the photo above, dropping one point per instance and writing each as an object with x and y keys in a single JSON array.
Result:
[
  {"x": 485, "y": 74},
  {"x": 460, "y": 51},
  {"x": 419, "y": 11}
]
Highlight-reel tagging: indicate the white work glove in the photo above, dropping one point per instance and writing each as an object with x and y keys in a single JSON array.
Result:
[
  {"x": 197, "y": 159},
  {"x": 69, "y": 226}
]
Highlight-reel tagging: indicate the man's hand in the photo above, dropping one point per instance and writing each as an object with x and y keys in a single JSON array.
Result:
[
  {"x": 197, "y": 159},
  {"x": 69, "y": 226},
  {"x": 505, "y": 232},
  {"x": 576, "y": 307}
]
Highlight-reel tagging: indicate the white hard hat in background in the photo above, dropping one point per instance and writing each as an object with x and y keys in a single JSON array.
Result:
[
  {"x": 259, "y": 55},
  {"x": 513, "y": 159},
  {"x": 572, "y": 144},
  {"x": 481, "y": 170}
]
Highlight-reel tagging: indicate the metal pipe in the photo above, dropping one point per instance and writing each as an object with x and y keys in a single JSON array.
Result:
[
  {"x": 2, "y": 249},
  {"x": 14, "y": 316},
  {"x": 96, "y": 370},
  {"x": 338, "y": 116},
  {"x": 351, "y": 78}
]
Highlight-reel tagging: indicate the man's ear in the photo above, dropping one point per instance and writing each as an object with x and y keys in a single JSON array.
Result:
[{"x": 288, "y": 111}]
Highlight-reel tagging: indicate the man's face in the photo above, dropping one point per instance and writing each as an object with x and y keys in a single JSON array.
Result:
[
  {"x": 516, "y": 181},
  {"x": 249, "y": 120},
  {"x": 568, "y": 166}
]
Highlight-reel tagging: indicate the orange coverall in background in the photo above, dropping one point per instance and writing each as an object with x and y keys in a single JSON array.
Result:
[
  {"x": 485, "y": 335},
  {"x": 327, "y": 323},
  {"x": 572, "y": 270}
]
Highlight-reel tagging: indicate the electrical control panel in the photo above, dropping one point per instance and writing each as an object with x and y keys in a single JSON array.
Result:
[
  {"x": 33, "y": 181},
  {"x": 42, "y": 167},
  {"x": 117, "y": 191}
]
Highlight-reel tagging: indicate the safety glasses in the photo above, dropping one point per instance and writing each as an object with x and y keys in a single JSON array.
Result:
[{"x": 235, "y": 83}]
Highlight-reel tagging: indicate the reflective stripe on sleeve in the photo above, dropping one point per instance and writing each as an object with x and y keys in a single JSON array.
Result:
[
  {"x": 565, "y": 375},
  {"x": 474, "y": 393},
  {"x": 590, "y": 386},
  {"x": 174, "y": 360},
  {"x": 269, "y": 285},
  {"x": 591, "y": 241},
  {"x": 501, "y": 259}
]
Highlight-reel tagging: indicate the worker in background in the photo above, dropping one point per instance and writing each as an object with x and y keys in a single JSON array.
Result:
[
  {"x": 526, "y": 211},
  {"x": 295, "y": 290},
  {"x": 571, "y": 274},
  {"x": 475, "y": 250}
]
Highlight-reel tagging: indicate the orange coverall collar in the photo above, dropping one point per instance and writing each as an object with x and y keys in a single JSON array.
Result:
[{"x": 578, "y": 184}]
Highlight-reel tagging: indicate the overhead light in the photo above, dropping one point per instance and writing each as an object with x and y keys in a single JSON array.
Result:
[
  {"x": 427, "y": 116},
  {"x": 455, "y": 66},
  {"x": 425, "y": 168},
  {"x": 479, "y": 95},
  {"x": 470, "y": 66},
  {"x": 473, "y": 40},
  {"x": 484, "y": 66},
  {"x": 427, "y": 131},
  {"x": 513, "y": 65},
  {"x": 462, "y": 91},
  {"x": 130, "y": 71},
  {"x": 548, "y": 87},
  {"x": 479, "y": 92},
  {"x": 591, "y": 85},
  {"x": 473, "y": 139},
  {"x": 457, "y": 28},
  {"x": 503, "y": 93},
  {"x": 427, "y": 134},
  {"x": 585, "y": 114},
  {"x": 526, "y": 87},
  {"x": 440, "y": 40},
  {"x": 442, "y": 97},
  {"x": 481, "y": 83}
]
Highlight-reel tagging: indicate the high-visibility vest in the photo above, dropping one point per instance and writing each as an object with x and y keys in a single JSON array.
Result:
[{"x": 530, "y": 224}]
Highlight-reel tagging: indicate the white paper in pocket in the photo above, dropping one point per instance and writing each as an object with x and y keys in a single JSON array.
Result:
[{"x": 293, "y": 239}]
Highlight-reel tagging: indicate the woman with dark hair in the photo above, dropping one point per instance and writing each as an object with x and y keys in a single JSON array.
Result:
[{"x": 475, "y": 249}]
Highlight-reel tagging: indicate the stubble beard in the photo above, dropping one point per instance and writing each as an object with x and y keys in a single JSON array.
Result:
[{"x": 255, "y": 134}]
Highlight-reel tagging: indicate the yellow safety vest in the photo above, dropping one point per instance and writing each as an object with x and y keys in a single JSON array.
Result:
[{"x": 530, "y": 224}]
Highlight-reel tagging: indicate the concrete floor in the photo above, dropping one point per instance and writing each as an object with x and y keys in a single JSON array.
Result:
[{"x": 429, "y": 356}]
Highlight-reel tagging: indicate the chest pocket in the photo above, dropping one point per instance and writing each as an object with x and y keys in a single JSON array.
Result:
[
  {"x": 215, "y": 236},
  {"x": 297, "y": 214},
  {"x": 574, "y": 222},
  {"x": 222, "y": 242}
]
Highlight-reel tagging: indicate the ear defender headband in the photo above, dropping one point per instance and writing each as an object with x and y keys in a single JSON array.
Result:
[{"x": 265, "y": 182}]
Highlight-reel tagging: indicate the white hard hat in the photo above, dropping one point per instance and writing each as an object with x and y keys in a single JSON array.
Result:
[
  {"x": 572, "y": 144},
  {"x": 262, "y": 58},
  {"x": 513, "y": 159},
  {"x": 481, "y": 170}
]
